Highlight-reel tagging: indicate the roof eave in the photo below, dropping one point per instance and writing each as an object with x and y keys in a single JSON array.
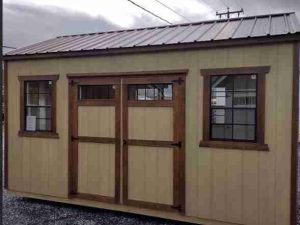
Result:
[{"x": 173, "y": 47}]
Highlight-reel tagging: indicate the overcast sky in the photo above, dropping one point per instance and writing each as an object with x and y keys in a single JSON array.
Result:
[{"x": 30, "y": 21}]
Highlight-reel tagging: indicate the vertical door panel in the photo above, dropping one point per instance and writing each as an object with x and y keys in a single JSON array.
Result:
[
  {"x": 96, "y": 169},
  {"x": 95, "y": 139},
  {"x": 96, "y": 121},
  {"x": 150, "y": 174},
  {"x": 150, "y": 123},
  {"x": 153, "y": 168}
]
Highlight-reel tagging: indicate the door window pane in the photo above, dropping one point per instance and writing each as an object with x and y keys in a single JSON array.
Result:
[
  {"x": 150, "y": 92},
  {"x": 96, "y": 92}
]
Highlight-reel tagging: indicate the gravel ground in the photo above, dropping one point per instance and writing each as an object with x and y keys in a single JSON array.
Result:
[{"x": 21, "y": 211}]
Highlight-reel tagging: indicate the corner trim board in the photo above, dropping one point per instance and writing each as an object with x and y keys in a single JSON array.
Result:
[
  {"x": 294, "y": 138},
  {"x": 5, "y": 124}
]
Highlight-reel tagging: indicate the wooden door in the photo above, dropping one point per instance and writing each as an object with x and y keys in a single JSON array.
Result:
[
  {"x": 95, "y": 138},
  {"x": 153, "y": 142}
]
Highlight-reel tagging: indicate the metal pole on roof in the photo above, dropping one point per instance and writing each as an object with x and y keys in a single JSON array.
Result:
[{"x": 229, "y": 13}]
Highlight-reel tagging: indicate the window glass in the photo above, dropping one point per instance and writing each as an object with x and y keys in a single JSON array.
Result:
[
  {"x": 150, "y": 92},
  {"x": 38, "y": 105},
  {"x": 233, "y": 107},
  {"x": 96, "y": 92}
]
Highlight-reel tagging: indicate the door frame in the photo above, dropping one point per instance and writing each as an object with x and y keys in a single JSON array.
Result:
[
  {"x": 75, "y": 77},
  {"x": 178, "y": 105},
  {"x": 74, "y": 103}
]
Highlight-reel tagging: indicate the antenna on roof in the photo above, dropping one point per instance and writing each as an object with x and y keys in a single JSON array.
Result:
[{"x": 228, "y": 13}]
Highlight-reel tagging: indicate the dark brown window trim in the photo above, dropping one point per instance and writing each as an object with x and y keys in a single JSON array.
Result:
[
  {"x": 234, "y": 145},
  {"x": 260, "y": 126},
  {"x": 38, "y": 134}
]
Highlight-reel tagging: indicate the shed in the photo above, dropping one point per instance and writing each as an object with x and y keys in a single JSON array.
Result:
[{"x": 193, "y": 122}]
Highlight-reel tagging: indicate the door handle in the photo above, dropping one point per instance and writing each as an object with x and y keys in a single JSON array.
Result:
[
  {"x": 124, "y": 142},
  {"x": 177, "y": 144}
]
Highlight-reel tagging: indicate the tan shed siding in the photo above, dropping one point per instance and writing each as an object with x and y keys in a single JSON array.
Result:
[{"x": 247, "y": 187}]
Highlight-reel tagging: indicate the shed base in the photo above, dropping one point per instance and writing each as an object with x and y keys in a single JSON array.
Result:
[{"x": 121, "y": 208}]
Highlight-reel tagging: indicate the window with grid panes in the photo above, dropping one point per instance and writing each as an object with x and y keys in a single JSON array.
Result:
[
  {"x": 38, "y": 105},
  {"x": 233, "y": 107}
]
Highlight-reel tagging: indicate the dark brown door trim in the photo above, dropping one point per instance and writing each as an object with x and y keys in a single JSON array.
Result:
[
  {"x": 74, "y": 139},
  {"x": 178, "y": 143}
]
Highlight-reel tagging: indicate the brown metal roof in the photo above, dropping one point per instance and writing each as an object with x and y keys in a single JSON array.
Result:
[{"x": 200, "y": 32}]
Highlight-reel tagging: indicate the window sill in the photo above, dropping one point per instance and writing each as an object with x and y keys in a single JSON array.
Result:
[
  {"x": 234, "y": 145},
  {"x": 38, "y": 134}
]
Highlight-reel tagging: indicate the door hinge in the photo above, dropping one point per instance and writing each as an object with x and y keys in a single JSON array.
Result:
[
  {"x": 177, "y": 144},
  {"x": 178, "y": 81}
]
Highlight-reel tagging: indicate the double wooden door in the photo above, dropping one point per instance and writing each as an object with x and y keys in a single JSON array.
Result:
[{"x": 127, "y": 140}]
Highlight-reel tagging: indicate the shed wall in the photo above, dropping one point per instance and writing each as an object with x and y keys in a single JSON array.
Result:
[{"x": 237, "y": 186}]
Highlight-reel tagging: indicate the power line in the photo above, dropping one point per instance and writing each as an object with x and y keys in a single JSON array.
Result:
[
  {"x": 153, "y": 14},
  {"x": 238, "y": 4},
  {"x": 209, "y": 5},
  {"x": 3, "y": 46},
  {"x": 173, "y": 10},
  {"x": 223, "y": 2}
]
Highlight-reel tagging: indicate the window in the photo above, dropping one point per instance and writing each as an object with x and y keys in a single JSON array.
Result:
[
  {"x": 150, "y": 92},
  {"x": 96, "y": 92},
  {"x": 38, "y": 106},
  {"x": 233, "y": 108}
]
